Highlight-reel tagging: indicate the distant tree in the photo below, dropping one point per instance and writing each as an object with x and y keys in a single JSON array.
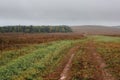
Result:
[
  {"x": 31, "y": 29},
  {"x": 35, "y": 29}
]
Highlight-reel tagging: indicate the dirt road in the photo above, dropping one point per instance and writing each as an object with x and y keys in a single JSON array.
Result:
[
  {"x": 101, "y": 72},
  {"x": 63, "y": 71}
]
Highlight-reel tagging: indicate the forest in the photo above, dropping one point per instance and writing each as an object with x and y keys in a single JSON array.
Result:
[{"x": 35, "y": 29}]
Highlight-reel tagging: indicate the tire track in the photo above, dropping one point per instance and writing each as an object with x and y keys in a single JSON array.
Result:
[{"x": 65, "y": 73}]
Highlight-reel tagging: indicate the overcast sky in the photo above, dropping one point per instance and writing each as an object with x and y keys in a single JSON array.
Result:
[{"x": 55, "y": 12}]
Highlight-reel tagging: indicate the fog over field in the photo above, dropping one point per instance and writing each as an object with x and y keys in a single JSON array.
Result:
[{"x": 57, "y": 12}]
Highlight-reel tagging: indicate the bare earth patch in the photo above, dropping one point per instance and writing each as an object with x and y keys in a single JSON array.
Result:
[{"x": 65, "y": 73}]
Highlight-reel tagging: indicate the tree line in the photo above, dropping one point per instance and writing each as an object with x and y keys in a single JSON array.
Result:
[{"x": 35, "y": 29}]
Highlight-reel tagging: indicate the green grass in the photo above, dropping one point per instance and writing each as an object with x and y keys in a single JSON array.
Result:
[
  {"x": 36, "y": 63},
  {"x": 106, "y": 38},
  {"x": 8, "y": 56}
]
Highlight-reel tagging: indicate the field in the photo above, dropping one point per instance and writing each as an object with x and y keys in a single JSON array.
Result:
[
  {"x": 59, "y": 56},
  {"x": 17, "y": 40}
]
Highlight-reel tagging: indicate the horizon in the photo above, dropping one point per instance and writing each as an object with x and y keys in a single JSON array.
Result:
[{"x": 65, "y": 25}]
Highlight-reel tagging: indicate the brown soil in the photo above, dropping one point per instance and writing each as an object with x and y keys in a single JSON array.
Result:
[
  {"x": 10, "y": 41},
  {"x": 101, "y": 72}
]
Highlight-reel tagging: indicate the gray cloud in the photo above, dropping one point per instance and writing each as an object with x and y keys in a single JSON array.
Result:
[{"x": 52, "y": 12}]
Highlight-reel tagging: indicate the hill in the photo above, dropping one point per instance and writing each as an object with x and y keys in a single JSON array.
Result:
[{"x": 96, "y": 29}]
